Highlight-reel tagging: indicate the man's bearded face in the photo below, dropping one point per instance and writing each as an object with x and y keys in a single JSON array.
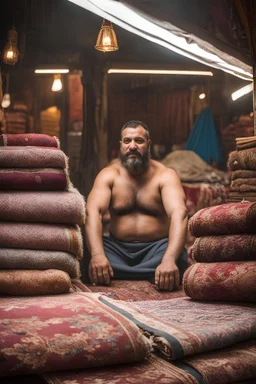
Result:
[
  {"x": 134, "y": 161},
  {"x": 134, "y": 149}
]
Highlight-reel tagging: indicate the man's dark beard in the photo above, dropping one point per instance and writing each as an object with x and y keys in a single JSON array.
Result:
[{"x": 137, "y": 164}]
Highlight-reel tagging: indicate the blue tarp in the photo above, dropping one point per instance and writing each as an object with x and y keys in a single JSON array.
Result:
[{"x": 203, "y": 139}]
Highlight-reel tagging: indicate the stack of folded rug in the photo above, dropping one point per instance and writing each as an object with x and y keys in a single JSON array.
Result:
[
  {"x": 242, "y": 164},
  {"x": 40, "y": 214},
  {"x": 225, "y": 253}
]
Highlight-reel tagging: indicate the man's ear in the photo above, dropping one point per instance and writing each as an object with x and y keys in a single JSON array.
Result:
[{"x": 149, "y": 143}]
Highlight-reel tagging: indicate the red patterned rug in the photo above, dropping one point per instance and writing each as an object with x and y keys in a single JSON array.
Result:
[
  {"x": 134, "y": 290},
  {"x": 152, "y": 371},
  {"x": 71, "y": 331},
  {"x": 228, "y": 365}
]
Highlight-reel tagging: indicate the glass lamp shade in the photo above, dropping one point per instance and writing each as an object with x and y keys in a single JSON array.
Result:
[
  {"x": 10, "y": 52},
  {"x": 57, "y": 84},
  {"x": 106, "y": 41},
  {"x": 6, "y": 102}
]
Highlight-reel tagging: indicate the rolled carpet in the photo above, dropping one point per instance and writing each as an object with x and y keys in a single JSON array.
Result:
[
  {"x": 34, "y": 179},
  {"x": 224, "y": 281},
  {"x": 11, "y": 258},
  {"x": 31, "y": 139},
  {"x": 32, "y": 157},
  {"x": 43, "y": 207},
  {"x": 33, "y": 282},
  {"x": 224, "y": 219},
  {"x": 224, "y": 248},
  {"x": 42, "y": 236}
]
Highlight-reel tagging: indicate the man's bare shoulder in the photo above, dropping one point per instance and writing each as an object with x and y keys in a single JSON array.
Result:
[
  {"x": 109, "y": 172},
  {"x": 164, "y": 171}
]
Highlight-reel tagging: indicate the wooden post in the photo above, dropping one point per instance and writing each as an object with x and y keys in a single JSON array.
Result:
[{"x": 254, "y": 99}]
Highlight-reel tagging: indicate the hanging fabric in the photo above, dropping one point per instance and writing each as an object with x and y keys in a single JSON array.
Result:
[{"x": 203, "y": 139}]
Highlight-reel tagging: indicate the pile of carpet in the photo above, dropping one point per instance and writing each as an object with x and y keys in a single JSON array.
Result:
[
  {"x": 242, "y": 164},
  {"x": 224, "y": 252},
  {"x": 40, "y": 217}
]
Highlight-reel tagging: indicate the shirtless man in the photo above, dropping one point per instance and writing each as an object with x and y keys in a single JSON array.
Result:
[{"x": 148, "y": 217}]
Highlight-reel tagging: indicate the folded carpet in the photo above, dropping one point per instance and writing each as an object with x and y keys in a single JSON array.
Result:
[
  {"x": 43, "y": 207},
  {"x": 243, "y": 185},
  {"x": 51, "y": 333},
  {"x": 151, "y": 371},
  {"x": 39, "y": 259},
  {"x": 244, "y": 159},
  {"x": 55, "y": 237},
  {"x": 33, "y": 282},
  {"x": 243, "y": 174},
  {"x": 31, "y": 139},
  {"x": 241, "y": 196},
  {"x": 34, "y": 179},
  {"x": 224, "y": 248},
  {"x": 182, "y": 327},
  {"x": 245, "y": 142},
  {"x": 32, "y": 157},
  {"x": 224, "y": 219},
  {"x": 223, "y": 281},
  {"x": 227, "y": 365}
]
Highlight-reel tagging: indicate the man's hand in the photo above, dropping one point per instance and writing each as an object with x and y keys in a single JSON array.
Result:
[
  {"x": 100, "y": 271},
  {"x": 167, "y": 276}
]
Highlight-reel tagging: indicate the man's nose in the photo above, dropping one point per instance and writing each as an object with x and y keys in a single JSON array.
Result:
[{"x": 133, "y": 145}]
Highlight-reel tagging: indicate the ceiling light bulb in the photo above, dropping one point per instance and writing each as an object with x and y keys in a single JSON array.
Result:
[
  {"x": 6, "y": 102},
  {"x": 57, "y": 84},
  {"x": 202, "y": 96},
  {"x": 10, "y": 53}
]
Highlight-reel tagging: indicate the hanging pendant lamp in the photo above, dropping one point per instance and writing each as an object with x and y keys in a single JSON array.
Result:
[
  {"x": 106, "y": 41},
  {"x": 10, "y": 53}
]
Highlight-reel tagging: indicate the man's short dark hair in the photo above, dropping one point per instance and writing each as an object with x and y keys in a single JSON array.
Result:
[{"x": 135, "y": 124}]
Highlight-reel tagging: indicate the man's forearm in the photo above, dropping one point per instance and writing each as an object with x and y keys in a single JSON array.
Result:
[
  {"x": 176, "y": 238},
  {"x": 93, "y": 235}
]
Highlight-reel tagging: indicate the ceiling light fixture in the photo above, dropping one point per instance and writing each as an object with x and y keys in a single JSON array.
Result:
[
  {"x": 10, "y": 53},
  {"x": 106, "y": 40},
  {"x": 172, "y": 37},
  {"x": 160, "y": 72},
  {"x": 242, "y": 91},
  {"x": 46, "y": 71},
  {"x": 202, "y": 96},
  {"x": 6, "y": 101},
  {"x": 57, "y": 84}
]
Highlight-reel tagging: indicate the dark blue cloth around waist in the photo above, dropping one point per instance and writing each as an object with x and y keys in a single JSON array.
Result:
[{"x": 138, "y": 261}]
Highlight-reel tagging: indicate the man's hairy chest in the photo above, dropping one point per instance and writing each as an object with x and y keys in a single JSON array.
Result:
[{"x": 129, "y": 198}]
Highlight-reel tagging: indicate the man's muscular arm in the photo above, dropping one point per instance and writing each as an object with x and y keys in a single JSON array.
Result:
[
  {"x": 98, "y": 202},
  {"x": 167, "y": 275}
]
